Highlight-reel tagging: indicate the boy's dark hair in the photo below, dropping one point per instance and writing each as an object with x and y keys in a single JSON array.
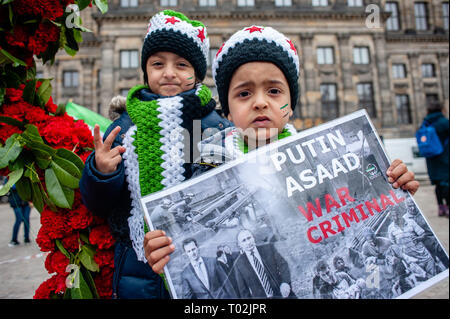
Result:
[{"x": 434, "y": 107}]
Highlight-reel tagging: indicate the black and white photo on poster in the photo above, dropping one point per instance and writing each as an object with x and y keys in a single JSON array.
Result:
[{"x": 310, "y": 216}]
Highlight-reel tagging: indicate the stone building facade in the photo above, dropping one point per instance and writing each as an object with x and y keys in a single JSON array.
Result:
[{"x": 390, "y": 57}]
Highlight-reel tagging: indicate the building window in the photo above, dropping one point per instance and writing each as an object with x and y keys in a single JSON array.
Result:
[
  {"x": 365, "y": 97},
  {"x": 246, "y": 3},
  {"x": 99, "y": 78},
  {"x": 325, "y": 55},
  {"x": 355, "y": 3},
  {"x": 330, "y": 107},
  {"x": 398, "y": 71},
  {"x": 361, "y": 55},
  {"x": 403, "y": 109},
  {"x": 320, "y": 3},
  {"x": 207, "y": 3},
  {"x": 129, "y": 59},
  {"x": 428, "y": 70},
  {"x": 393, "y": 23},
  {"x": 128, "y": 3},
  {"x": 445, "y": 14},
  {"x": 168, "y": 3},
  {"x": 421, "y": 15},
  {"x": 70, "y": 79},
  {"x": 283, "y": 3}
]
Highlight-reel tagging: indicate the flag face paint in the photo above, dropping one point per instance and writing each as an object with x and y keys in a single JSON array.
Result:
[{"x": 284, "y": 106}]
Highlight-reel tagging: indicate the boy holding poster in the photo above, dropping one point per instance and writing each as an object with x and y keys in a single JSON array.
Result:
[
  {"x": 148, "y": 155},
  {"x": 256, "y": 73}
]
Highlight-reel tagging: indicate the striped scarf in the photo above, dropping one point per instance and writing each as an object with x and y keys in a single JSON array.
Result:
[{"x": 154, "y": 156}]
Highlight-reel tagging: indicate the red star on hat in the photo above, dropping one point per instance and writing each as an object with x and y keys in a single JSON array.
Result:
[
  {"x": 292, "y": 46},
  {"x": 172, "y": 20},
  {"x": 201, "y": 34},
  {"x": 220, "y": 50},
  {"x": 254, "y": 29}
]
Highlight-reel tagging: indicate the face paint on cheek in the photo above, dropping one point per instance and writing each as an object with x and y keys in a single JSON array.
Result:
[{"x": 287, "y": 111}]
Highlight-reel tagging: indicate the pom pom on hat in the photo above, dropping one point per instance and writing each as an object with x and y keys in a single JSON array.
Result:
[
  {"x": 173, "y": 32},
  {"x": 252, "y": 44}
]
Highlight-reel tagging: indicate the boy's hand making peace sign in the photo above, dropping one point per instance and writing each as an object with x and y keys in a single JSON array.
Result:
[{"x": 107, "y": 159}]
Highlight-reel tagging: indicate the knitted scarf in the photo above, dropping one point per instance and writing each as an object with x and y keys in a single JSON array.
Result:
[
  {"x": 235, "y": 144},
  {"x": 154, "y": 156}
]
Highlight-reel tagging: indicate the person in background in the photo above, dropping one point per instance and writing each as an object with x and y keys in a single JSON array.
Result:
[
  {"x": 437, "y": 166},
  {"x": 22, "y": 211}
]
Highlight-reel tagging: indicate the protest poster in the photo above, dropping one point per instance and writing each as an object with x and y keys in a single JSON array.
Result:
[{"x": 320, "y": 212}]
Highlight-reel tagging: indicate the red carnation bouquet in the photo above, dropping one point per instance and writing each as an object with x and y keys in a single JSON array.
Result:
[{"x": 42, "y": 149}]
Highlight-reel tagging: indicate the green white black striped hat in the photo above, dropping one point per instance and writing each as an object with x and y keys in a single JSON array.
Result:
[{"x": 172, "y": 31}]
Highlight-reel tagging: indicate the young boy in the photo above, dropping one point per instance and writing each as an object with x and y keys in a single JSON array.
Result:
[
  {"x": 256, "y": 74},
  {"x": 152, "y": 144}
]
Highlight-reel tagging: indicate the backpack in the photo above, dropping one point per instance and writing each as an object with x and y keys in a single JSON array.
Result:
[{"x": 428, "y": 141}]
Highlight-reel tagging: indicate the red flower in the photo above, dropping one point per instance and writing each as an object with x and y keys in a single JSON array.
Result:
[
  {"x": 54, "y": 285},
  {"x": 71, "y": 242},
  {"x": 65, "y": 3},
  {"x": 44, "y": 242},
  {"x": 46, "y": 33},
  {"x": 60, "y": 283},
  {"x": 56, "y": 262},
  {"x": 14, "y": 95},
  {"x": 20, "y": 109},
  {"x": 37, "y": 116},
  {"x": 84, "y": 134},
  {"x": 50, "y": 9},
  {"x": 19, "y": 36},
  {"x": 101, "y": 236},
  {"x": 104, "y": 258},
  {"x": 6, "y": 131},
  {"x": 45, "y": 289},
  {"x": 55, "y": 223},
  {"x": 58, "y": 133},
  {"x": 103, "y": 282},
  {"x": 51, "y": 107},
  {"x": 79, "y": 218}
]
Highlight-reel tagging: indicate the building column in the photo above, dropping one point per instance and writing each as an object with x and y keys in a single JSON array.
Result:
[
  {"x": 350, "y": 103},
  {"x": 87, "y": 75},
  {"x": 383, "y": 96},
  {"x": 443, "y": 68},
  {"x": 417, "y": 100},
  {"x": 311, "y": 91},
  {"x": 107, "y": 74}
]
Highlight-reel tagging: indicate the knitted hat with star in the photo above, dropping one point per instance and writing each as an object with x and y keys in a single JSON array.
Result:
[
  {"x": 254, "y": 44},
  {"x": 173, "y": 32}
]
